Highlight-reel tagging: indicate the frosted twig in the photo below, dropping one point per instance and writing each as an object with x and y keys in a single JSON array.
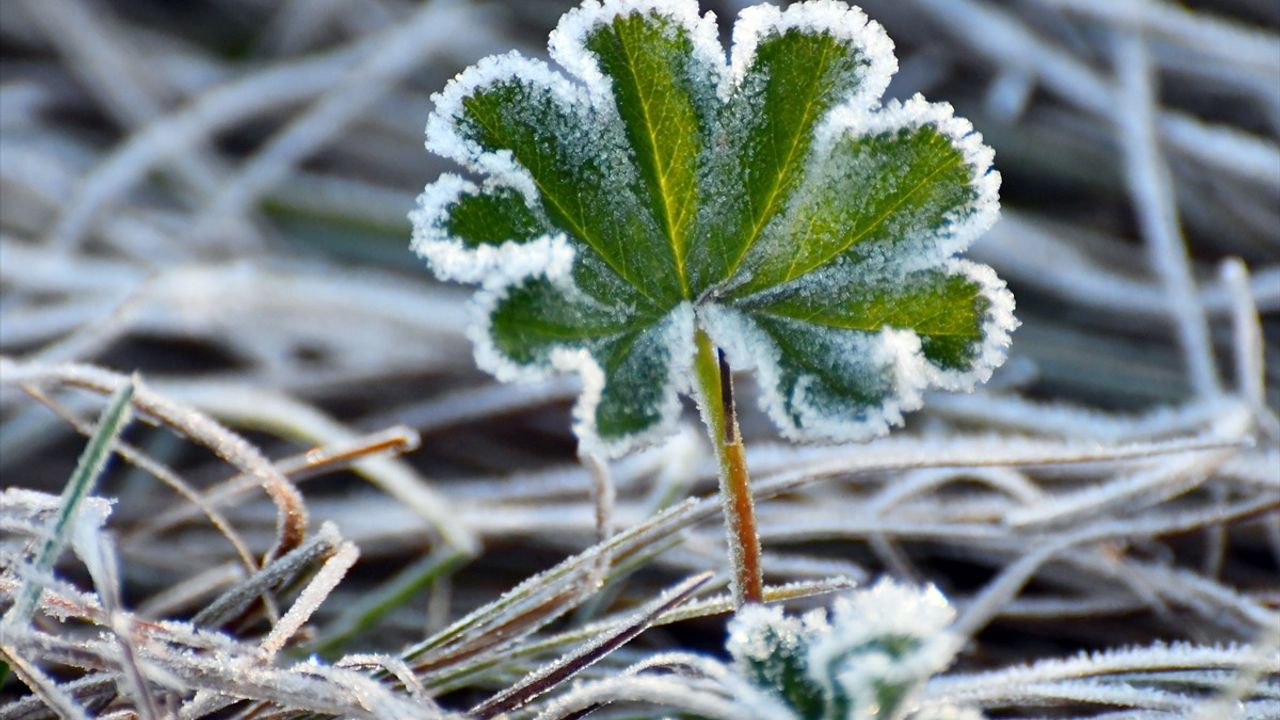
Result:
[
  {"x": 691, "y": 610},
  {"x": 399, "y": 49},
  {"x": 299, "y": 467},
  {"x": 996, "y": 34},
  {"x": 603, "y": 493},
  {"x": 1079, "y": 423},
  {"x": 397, "y": 668},
  {"x": 174, "y": 134},
  {"x": 326, "y": 579},
  {"x": 1192, "y": 588},
  {"x": 1042, "y": 256},
  {"x": 1249, "y": 347},
  {"x": 292, "y": 519},
  {"x": 1209, "y": 35},
  {"x": 1155, "y": 657},
  {"x": 85, "y": 690},
  {"x": 93, "y": 47},
  {"x": 1168, "y": 478},
  {"x": 490, "y": 400},
  {"x": 547, "y": 677},
  {"x": 230, "y": 669},
  {"x": 299, "y": 23},
  {"x": 1248, "y": 676},
  {"x": 186, "y": 593},
  {"x": 100, "y": 558},
  {"x": 1015, "y": 575},
  {"x": 234, "y": 601},
  {"x": 671, "y": 692},
  {"x": 1152, "y": 191},
  {"x": 165, "y": 475},
  {"x": 281, "y": 413},
  {"x": 42, "y": 685},
  {"x": 432, "y": 569}
]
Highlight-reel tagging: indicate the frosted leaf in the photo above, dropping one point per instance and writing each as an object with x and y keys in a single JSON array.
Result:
[
  {"x": 650, "y": 187},
  {"x": 864, "y": 662},
  {"x": 769, "y": 649}
]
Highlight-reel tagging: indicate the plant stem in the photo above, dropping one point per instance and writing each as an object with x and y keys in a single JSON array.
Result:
[{"x": 714, "y": 388}]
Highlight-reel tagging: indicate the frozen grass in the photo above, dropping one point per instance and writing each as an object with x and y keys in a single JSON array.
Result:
[{"x": 322, "y": 508}]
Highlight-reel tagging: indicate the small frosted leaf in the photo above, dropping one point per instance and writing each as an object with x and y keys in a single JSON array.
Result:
[
  {"x": 865, "y": 662},
  {"x": 770, "y": 648},
  {"x": 653, "y": 186}
]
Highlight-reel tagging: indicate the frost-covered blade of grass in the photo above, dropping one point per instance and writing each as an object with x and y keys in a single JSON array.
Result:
[
  {"x": 549, "y": 676},
  {"x": 89, "y": 467}
]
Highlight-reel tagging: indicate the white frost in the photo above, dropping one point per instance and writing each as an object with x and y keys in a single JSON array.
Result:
[
  {"x": 675, "y": 334},
  {"x": 916, "y": 112},
  {"x": 504, "y": 264},
  {"x": 568, "y": 40},
  {"x": 845, "y": 23},
  {"x": 887, "y": 609},
  {"x": 997, "y": 325},
  {"x": 444, "y": 138},
  {"x": 895, "y": 351},
  {"x": 756, "y": 631}
]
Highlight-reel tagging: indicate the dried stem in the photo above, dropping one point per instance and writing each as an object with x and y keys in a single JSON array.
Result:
[{"x": 714, "y": 387}]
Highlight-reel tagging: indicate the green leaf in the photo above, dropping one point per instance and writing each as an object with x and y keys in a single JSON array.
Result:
[
  {"x": 866, "y": 659},
  {"x": 653, "y": 188},
  {"x": 492, "y": 217},
  {"x": 946, "y": 310},
  {"x": 792, "y": 80},
  {"x": 664, "y": 96},
  {"x": 863, "y": 196},
  {"x": 626, "y": 358}
]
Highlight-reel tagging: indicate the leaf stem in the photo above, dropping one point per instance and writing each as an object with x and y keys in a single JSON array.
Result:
[{"x": 714, "y": 389}]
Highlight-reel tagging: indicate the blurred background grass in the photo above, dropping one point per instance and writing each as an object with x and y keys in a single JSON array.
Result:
[{"x": 214, "y": 194}]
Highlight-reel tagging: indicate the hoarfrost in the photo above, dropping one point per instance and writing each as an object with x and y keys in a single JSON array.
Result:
[
  {"x": 443, "y": 134},
  {"x": 958, "y": 232},
  {"x": 450, "y": 259},
  {"x": 997, "y": 325},
  {"x": 568, "y": 41},
  {"x": 884, "y": 365},
  {"x": 845, "y": 23},
  {"x": 870, "y": 656},
  {"x": 889, "y": 361}
]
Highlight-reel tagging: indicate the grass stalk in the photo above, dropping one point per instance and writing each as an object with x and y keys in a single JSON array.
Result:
[
  {"x": 89, "y": 467},
  {"x": 395, "y": 593}
]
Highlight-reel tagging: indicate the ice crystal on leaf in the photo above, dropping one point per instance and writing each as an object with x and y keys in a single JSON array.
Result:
[
  {"x": 865, "y": 662},
  {"x": 650, "y": 187}
]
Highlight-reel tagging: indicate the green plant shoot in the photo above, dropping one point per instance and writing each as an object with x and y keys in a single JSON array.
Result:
[{"x": 652, "y": 213}]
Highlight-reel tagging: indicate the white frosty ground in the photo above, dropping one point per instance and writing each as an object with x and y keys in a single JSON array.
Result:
[{"x": 893, "y": 355}]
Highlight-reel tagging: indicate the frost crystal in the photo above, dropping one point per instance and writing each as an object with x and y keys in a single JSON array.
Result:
[
  {"x": 864, "y": 663},
  {"x": 649, "y": 188}
]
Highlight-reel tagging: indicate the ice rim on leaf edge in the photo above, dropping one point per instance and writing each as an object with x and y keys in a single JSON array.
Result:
[{"x": 500, "y": 268}]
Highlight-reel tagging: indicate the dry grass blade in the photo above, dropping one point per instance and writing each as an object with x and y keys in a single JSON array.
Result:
[
  {"x": 277, "y": 573},
  {"x": 546, "y": 678},
  {"x": 292, "y": 522}
]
